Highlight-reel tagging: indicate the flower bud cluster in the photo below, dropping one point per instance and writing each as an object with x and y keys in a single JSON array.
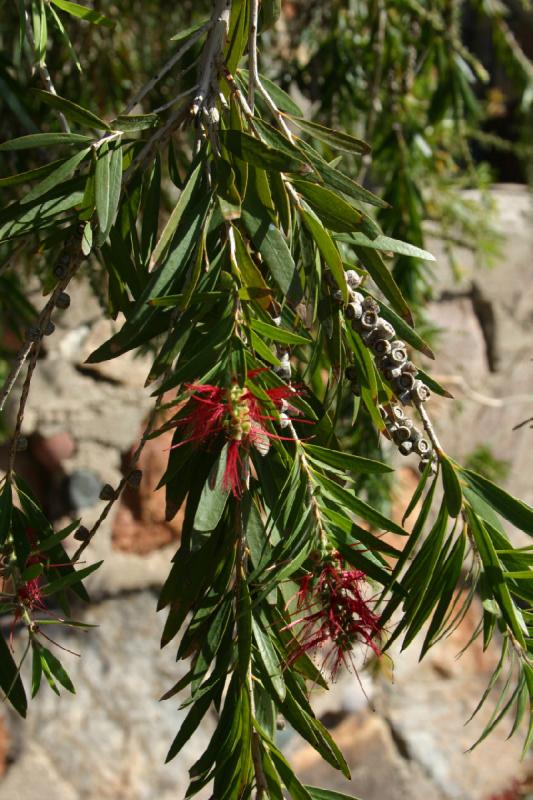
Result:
[{"x": 390, "y": 355}]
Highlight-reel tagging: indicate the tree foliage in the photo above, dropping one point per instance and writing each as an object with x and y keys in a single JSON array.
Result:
[{"x": 273, "y": 266}]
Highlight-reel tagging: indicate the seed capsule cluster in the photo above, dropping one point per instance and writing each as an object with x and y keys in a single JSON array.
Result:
[{"x": 390, "y": 355}]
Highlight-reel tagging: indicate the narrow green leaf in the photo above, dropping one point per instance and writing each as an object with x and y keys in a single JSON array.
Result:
[
  {"x": 57, "y": 669},
  {"x": 340, "y": 182},
  {"x": 10, "y": 681},
  {"x": 244, "y": 628},
  {"x": 512, "y": 509},
  {"x": 71, "y": 110},
  {"x": 255, "y": 152},
  {"x": 278, "y": 334},
  {"x": 346, "y": 461},
  {"x": 36, "y": 670},
  {"x": 349, "y": 500},
  {"x": 62, "y": 173},
  {"x": 6, "y": 507},
  {"x": 188, "y": 726},
  {"x": 102, "y": 185},
  {"x": 452, "y": 487},
  {"x": 273, "y": 248},
  {"x": 335, "y": 213},
  {"x": 337, "y": 139},
  {"x": 82, "y": 12},
  {"x": 386, "y": 245},
  {"x": 214, "y": 496},
  {"x": 69, "y": 580},
  {"x": 177, "y": 213},
  {"x": 327, "y": 248},
  {"x": 327, "y": 794},
  {"x": 135, "y": 122},
  {"x": 44, "y": 140},
  {"x": 281, "y": 98},
  {"x": 269, "y": 657}
]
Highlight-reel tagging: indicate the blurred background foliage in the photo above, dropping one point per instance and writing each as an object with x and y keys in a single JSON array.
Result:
[{"x": 443, "y": 89}]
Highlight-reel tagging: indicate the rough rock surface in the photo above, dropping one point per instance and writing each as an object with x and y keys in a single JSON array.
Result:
[{"x": 109, "y": 742}]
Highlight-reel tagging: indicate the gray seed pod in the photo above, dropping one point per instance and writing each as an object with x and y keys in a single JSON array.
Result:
[
  {"x": 22, "y": 444},
  {"x": 107, "y": 492},
  {"x": 369, "y": 320},
  {"x": 49, "y": 329},
  {"x": 353, "y": 311},
  {"x": 63, "y": 300},
  {"x": 398, "y": 355},
  {"x": 422, "y": 447},
  {"x": 402, "y": 434},
  {"x": 405, "y": 448},
  {"x": 420, "y": 392},
  {"x": 351, "y": 373},
  {"x": 397, "y": 412},
  {"x": 337, "y": 296},
  {"x": 410, "y": 367},
  {"x": 381, "y": 347},
  {"x": 390, "y": 373},
  {"x": 385, "y": 329},
  {"x": 406, "y": 380},
  {"x": 369, "y": 304},
  {"x": 353, "y": 279}
]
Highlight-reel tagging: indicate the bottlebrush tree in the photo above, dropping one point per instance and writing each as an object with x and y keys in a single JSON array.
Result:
[{"x": 238, "y": 248}]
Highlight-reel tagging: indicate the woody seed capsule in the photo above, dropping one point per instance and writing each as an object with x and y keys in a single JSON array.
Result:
[
  {"x": 401, "y": 434},
  {"x": 369, "y": 304},
  {"x": 422, "y": 447},
  {"x": 381, "y": 347},
  {"x": 406, "y": 380},
  {"x": 369, "y": 320},
  {"x": 405, "y": 448},
  {"x": 50, "y": 328},
  {"x": 22, "y": 444},
  {"x": 107, "y": 492},
  {"x": 63, "y": 300},
  {"x": 353, "y": 279},
  {"x": 354, "y": 311},
  {"x": 82, "y": 534},
  {"x": 420, "y": 392}
]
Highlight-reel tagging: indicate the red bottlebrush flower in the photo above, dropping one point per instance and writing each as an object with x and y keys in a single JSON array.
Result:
[
  {"x": 338, "y": 615},
  {"x": 236, "y": 414}
]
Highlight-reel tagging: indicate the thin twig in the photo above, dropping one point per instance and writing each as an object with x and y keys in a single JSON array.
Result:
[
  {"x": 124, "y": 480},
  {"x": 44, "y": 74},
  {"x": 428, "y": 427},
  {"x": 167, "y": 66},
  {"x": 74, "y": 261},
  {"x": 252, "y": 52}
]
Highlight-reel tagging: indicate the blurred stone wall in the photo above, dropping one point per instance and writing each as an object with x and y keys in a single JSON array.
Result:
[{"x": 404, "y": 739}]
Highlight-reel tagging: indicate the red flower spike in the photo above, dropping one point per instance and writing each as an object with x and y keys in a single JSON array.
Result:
[
  {"x": 337, "y": 615},
  {"x": 238, "y": 415}
]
